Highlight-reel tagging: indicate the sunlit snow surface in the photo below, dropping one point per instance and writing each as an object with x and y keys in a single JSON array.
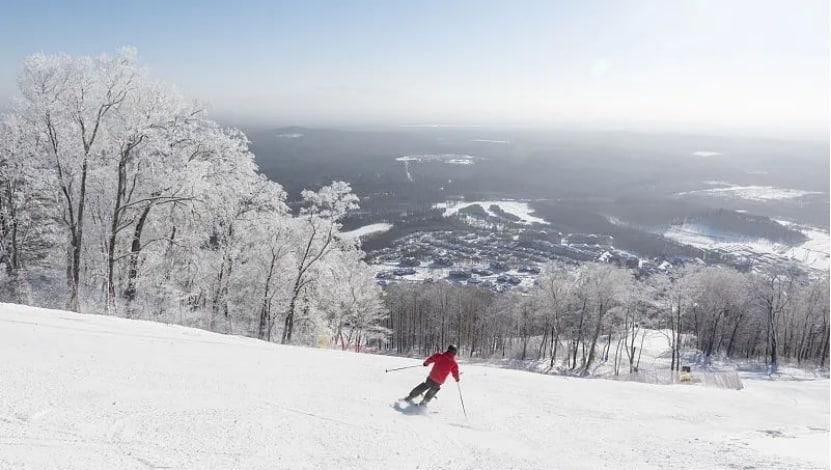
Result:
[
  {"x": 450, "y": 158},
  {"x": 95, "y": 392},
  {"x": 366, "y": 230},
  {"x": 706, "y": 154},
  {"x": 750, "y": 193},
  {"x": 517, "y": 208}
]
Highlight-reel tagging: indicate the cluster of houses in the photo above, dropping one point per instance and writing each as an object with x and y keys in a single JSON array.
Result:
[{"x": 493, "y": 259}]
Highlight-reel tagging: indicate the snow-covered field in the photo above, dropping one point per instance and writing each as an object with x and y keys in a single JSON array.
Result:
[
  {"x": 366, "y": 230},
  {"x": 750, "y": 193},
  {"x": 94, "y": 392},
  {"x": 450, "y": 158},
  {"x": 517, "y": 208},
  {"x": 813, "y": 253}
]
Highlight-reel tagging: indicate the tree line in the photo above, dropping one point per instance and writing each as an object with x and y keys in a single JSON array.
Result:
[{"x": 577, "y": 316}]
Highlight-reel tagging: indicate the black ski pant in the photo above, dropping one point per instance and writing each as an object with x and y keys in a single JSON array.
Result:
[{"x": 431, "y": 387}]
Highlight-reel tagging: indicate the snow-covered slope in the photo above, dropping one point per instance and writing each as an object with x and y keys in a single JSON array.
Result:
[{"x": 92, "y": 392}]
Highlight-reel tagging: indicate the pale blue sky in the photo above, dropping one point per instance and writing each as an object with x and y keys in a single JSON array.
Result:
[{"x": 700, "y": 65}]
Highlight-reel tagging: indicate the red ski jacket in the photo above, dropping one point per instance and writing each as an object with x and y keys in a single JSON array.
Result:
[{"x": 443, "y": 364}]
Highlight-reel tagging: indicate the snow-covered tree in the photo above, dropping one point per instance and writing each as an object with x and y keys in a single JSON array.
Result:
[
  {"x": 317, "y": 235},
  {"x": 161, "y": 211},
  {"x": 351, "y": 300}
]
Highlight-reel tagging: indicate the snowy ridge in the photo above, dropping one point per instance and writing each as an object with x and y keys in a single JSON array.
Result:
[{"x": 95, "y": 392}]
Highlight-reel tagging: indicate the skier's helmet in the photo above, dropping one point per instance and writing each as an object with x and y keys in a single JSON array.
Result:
[{"x": 451, "y": 349}]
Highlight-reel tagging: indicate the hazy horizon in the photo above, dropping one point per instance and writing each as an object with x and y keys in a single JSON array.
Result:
[{"x": 758, "y": 68}]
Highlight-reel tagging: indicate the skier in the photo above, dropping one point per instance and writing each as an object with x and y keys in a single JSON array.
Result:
[{"x": 443, "y": 364}]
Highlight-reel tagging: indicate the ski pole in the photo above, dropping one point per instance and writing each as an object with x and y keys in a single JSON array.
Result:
[
  {"x": 401, "y": 368},
  {"x": 461, "y": 399}
]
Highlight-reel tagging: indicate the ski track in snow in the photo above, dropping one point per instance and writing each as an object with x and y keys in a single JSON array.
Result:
[{"x": 94, "y": 392}]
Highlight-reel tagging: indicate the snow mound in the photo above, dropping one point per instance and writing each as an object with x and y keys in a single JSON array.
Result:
[
  {"x": 517, "y": 208},
  {"x": 95, "y": 392}
]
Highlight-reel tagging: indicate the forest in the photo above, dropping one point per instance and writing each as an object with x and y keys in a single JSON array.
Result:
[{"x": 575, "y": 317}]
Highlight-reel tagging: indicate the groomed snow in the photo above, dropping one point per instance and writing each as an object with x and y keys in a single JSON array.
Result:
[
  {"x": 366, "y": 230},
  {"x": 517, "y": 208},
  {"x": 93, "y": 392}
]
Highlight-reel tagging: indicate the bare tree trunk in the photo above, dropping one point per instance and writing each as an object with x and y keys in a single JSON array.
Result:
[
  {"x": 579, "y": 335},
  {"x": 555, "y": 341},
  {"x": 121, "y": 181},
  {"x": 712, "y": 342},
  {"x": 18, "y": 287},
  {"x": 731, "y": 343},
  {"x": 590, "y": 359},
  {"x": 678, "y": 337},
  {"x": 288, "y": 323},
  {"x": 77, "y": 239},
  {"x": 608, "y": 345},
  {"x": 772, "y": 338},
  {"x": 672, "y": 330},
  {"x": 130, "y": 291},
  {"x": 620, "y": 342},
  {"x": 543, "y": 344},
  {"x": 638, "y": 364},
  {"x": 265, "y": 307}
]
